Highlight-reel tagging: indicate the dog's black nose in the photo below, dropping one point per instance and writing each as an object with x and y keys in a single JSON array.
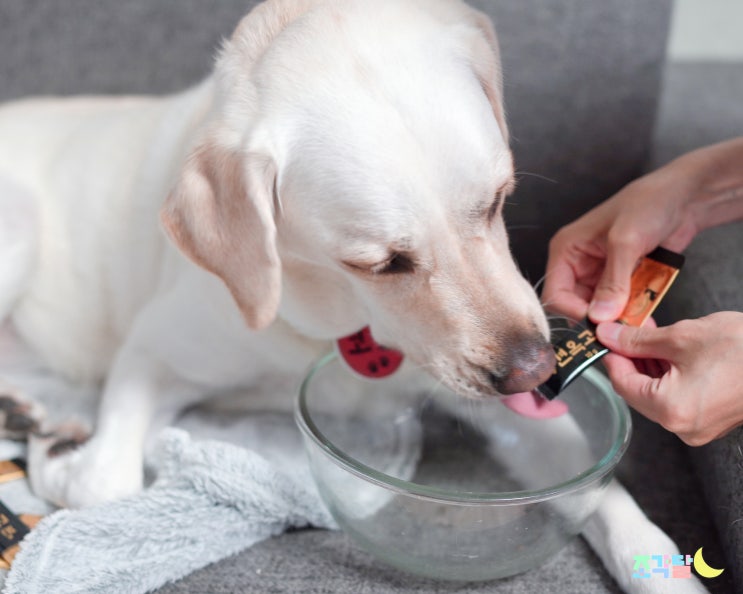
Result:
[{"x": 529, "y": 363}]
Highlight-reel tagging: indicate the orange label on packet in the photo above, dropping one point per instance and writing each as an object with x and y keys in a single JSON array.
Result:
[{"x": 650, "y": 282}]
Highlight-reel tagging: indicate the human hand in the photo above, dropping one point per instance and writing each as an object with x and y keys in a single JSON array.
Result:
[
  {"x": 591, "y": 260},
  {"x": 686, "y": 376}
]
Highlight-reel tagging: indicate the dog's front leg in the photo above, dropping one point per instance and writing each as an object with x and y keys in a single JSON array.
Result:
[
  {"x": 619, "y": 531},
  {"x": 73, "y": 469}
]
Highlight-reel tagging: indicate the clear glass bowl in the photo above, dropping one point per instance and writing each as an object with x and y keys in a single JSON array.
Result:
[{"x": 450, "y": 488}]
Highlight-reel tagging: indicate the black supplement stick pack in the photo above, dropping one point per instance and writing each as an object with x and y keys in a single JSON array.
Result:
[{"x": 578, "y": 348}]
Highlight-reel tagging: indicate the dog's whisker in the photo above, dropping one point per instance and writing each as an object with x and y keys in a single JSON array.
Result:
[
  {"x": 557, "y": 318},
  {"x": 557, "y": 331},
  {"x": 536, "y": 175},
  {"x": 539, "y": 282}
]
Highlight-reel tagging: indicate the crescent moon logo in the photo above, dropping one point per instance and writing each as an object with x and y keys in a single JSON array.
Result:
[{"x": 701, "y": 567}]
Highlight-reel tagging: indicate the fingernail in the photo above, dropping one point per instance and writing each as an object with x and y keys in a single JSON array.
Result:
[
  {"x": 601, "y": 311},
  {"x": 609, "y": 331}
]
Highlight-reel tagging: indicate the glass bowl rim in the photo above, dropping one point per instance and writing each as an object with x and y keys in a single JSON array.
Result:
[{"x": 593, "y": 474}]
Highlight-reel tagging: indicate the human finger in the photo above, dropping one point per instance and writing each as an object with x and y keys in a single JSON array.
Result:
[
  {"x": 562, "y": 294},
  {"x": 613, "y": 288},
  {"x": 640, "y": 343}
]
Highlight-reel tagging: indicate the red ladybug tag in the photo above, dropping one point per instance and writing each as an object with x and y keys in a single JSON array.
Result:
[{"x": 367, "y": 358}]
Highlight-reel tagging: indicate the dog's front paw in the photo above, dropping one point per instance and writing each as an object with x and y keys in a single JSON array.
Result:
[
  {"x": 18, "y": 415},
  {"x": 72, "y": 469}
]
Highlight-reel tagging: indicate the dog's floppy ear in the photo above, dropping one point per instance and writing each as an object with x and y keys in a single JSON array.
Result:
[
  {"x": 487, "y": 67},
  {"x": 221, "y": 215}
]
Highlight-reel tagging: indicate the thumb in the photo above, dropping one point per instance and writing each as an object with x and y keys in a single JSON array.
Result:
[
  {"x": 612, "y": 290},
  {"x": 636, "y": 343}
]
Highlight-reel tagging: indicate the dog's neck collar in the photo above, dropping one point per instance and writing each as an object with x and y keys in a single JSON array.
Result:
[{"x": 366, "y": 357}]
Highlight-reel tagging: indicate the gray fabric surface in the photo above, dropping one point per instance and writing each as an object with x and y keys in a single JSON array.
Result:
[
  {"x": 313, "y": 561},
  {"x": 92, "y": 46},
  {"x": 700, "y": 103},
  {"x": 581, "y": 85},
  {"x": 703, "y": 104}
]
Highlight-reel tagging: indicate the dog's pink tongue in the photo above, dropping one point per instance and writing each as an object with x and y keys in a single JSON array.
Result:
[{"x": 534, "y": 405}]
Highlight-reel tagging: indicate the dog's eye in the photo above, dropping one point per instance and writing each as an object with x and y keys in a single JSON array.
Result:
[{"x": 397, "y": 264}]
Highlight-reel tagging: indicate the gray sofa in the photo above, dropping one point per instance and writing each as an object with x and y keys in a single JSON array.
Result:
[{"x": 583, "y": 83}]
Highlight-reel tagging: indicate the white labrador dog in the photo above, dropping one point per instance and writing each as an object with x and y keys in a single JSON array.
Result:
[{"x": 344, "y": 166}]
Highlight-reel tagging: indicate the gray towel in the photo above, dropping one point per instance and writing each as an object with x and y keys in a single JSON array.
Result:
[
  {"x": 222, "y": 481},
  {"x": 210, "y": 500}
]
